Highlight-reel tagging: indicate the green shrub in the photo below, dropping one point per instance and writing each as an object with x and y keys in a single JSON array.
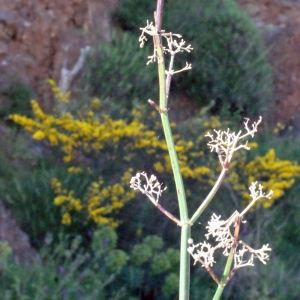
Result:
[
  {"x": 67, "y": 271},
  {"x": 16, "y": 99},
  {"x": 141, "y": 254},
  {"x": 115, "y": 260},
  {"x": 71, "y": 269},
  {"x": 131, "y": 14},
  {"x": 106, "y": 236},
  {"x": 29, "y": 196},
  {"x": 150, "y": 267},
  {"x": 17, "y": 151},
  {"x": 170, "y": 287},
  {"x": 117, "y": 71},
  {"x": 160, "y": 264}
]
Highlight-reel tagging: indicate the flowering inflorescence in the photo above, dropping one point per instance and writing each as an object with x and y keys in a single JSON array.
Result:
[
  {"x": 152, "y": 188},
  {"x": 225, "y": 143},
  {"x": 256, "y": 194},
  {"x": 220, "y": 231},
  {"x": 174, "y": 46}
]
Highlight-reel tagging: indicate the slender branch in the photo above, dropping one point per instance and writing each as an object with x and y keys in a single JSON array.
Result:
[
  {"x": 152, "y": 103},
  {"x": 169, "y": 77},
  {"x": 230, "y": 275},
  {"x": 210, "y": 196},
  {"x": 212, "y": 274},
  {"x": 221, "y": 285},
  {"x": 169, "y": 215}
]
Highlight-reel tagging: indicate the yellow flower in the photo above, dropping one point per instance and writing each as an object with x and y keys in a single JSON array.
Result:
[
  {"x": 96, "y": 103},
  {"x": 75, "y": 170},
  {"x": 38, "y": 135},
  {"x": 66, "y": 219},
  {"x": 68, "y": 158},
  {"x": 60, "y": 199}
]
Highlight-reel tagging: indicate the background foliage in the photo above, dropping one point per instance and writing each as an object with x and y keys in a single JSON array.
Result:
[
  {"x": 94, "y": 142},
  {"x": 117, "y": 71}
]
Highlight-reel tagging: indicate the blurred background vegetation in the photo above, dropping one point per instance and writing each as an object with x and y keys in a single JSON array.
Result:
[{"x": 65, "y": 176}]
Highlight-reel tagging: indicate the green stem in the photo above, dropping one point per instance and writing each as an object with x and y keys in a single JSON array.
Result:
[
  {"x": 168, "y": 134},
  {"x": 185, "y": 229},
  {"x": 222, "y": 283},
  {"x": 209, "y": 197},
  {"x": 184, "y": 280}
]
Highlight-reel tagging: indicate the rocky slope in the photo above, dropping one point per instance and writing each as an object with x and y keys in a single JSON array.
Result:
[
  {"x": 279, "y": 22},
  {"x": 40, "y": 37},
  {"x": 17, "y": 240}
]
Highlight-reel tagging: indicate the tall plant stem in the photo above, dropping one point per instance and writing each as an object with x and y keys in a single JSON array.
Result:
[
  {"x": 185, "y": 227},
  {"x": 184, "y": 283}
]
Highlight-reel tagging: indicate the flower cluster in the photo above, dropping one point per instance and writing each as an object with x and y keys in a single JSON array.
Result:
[
  {"x": 60, "y": 97},
  {"x": 77, "y": 136},
  {"x": 256, "y": 194},
  {"x": 220, "y": 231},
  {"x": 174, "y": 46},
  {"x": 99, "y": 202},
  {"x": 66, "y": 199},
  {"x": 152, "y": 188},
  {"x": 273, "y": 173},
  {"x": 225, "y": 143}
]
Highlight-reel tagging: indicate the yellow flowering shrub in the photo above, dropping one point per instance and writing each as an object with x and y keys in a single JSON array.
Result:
[
  {"x": 63, "y": 98},
  {"x": 94, "y": 142},
  {"x": 274, "y": 174},
  {"x": 98, "y": 202},
  {"x": 90, "y": 134},
  {"x": 78, "y": 136}
]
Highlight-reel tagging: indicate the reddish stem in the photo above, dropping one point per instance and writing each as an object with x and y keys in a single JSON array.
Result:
[{"x": 159, "y": 12}]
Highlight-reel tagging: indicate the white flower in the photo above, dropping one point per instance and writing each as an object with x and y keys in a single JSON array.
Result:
[
  {"x": 151, "y": 188},
  {"x": 221, "y": 232},
  {"x": 225, "y": 143}
]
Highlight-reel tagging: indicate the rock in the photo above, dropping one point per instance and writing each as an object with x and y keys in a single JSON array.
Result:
[
  {"x": 280, "y": 24},
  {"x": 18, "y": 241},
  {"x": 38, "y": 38}
]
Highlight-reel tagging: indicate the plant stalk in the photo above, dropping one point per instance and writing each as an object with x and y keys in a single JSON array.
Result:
[{"x": 185, "y": 227}]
